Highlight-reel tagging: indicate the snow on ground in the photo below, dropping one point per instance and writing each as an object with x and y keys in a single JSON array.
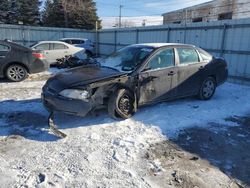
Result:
[
  {"x": 98, "y": 151},
  {"x": 229, "y": 100}
]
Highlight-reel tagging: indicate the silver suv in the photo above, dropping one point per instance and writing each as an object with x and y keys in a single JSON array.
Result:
[{"x": 87, "y": 44}]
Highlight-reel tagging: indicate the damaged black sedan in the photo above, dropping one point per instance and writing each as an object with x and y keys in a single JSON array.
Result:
[{"x": 136, "y": 75}]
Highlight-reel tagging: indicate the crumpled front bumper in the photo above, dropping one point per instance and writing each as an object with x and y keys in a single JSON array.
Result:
[{"x": 54, "y": 102}]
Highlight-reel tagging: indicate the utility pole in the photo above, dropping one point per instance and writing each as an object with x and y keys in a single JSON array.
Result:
[
  {"x": 120, "y": 16},
  {"x": 65, "y": 12},
  {"x": 96, "y": 38},
  {"x": 185, "y": 17}
]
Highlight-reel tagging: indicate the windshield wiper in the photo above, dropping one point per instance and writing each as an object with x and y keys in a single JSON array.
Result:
[{"x": 110, "y": 68}]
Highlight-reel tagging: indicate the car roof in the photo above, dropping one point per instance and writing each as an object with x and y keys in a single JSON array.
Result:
[
  {"x": 13, "y": 44},
  {"x": 58, "y": 42},
  {"x": 159, "y": 45},
  {"x": 74, "y": 39}
]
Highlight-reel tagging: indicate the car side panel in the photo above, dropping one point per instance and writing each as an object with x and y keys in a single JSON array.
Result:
[
  {"x": 15, "y": 56},
  {"x": 190, "y": 77},
  {"x": 218, "y": 69},
  {"x": 3, "y": 59}
]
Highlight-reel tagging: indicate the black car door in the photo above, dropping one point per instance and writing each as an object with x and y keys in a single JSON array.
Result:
[
  {"x": 4, "y": 50},
  {"x": 158, "y": 80},
  {"x": 190, "y": 71}
]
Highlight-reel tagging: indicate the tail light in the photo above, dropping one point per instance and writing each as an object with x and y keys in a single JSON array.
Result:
[{"x": 38, "y": 55}]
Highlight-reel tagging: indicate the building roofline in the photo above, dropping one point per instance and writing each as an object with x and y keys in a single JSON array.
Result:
[{"x": 190, "y": 7}]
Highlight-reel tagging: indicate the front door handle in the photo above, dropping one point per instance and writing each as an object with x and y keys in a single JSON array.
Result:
[
  {"x": 171, "y": 73},
  {"x": 201, "y": 67},
  {"x": 147, "y": 80}
]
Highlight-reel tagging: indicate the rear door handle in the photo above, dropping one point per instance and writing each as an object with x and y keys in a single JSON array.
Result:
[{"x": 171, "y": 73}]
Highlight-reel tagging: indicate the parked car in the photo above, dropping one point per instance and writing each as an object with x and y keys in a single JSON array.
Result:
[
  {"x": 87, "y": 44},
  {"x": 54, "y": 50},
  {"x": 17, "y": 61},
  {"x": 136, "y": 75}
]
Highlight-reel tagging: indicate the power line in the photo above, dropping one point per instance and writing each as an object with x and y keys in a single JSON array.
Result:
[
  {"x": 159, "y": 22},
  {"x": 139, "y": 10},
  {"x": 189, "y": 9},
  {"x": 167, "y": 4},
  {"x": 127, "y": 8}
]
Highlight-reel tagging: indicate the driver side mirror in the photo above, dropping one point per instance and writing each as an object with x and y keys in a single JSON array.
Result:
[{"x": 146, "y": 69}]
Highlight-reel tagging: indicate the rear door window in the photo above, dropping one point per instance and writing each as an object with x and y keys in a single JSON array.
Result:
[
  {"x": 44, "y": 46},
  {"x": 4, "y": 48},
  {"x": 81, "y": 42},
  {"x": 68, "y": 41},
  {"x": 204, "y": 55},
  {"x": 59, "y": 47},
  {"x": 77, "y": 42},
  {"x": 187, "y": 56},
  {"x": 74, "y": 41}
]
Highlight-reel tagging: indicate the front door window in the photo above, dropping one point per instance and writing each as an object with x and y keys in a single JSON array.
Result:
[{"x": 162, "y": 59}]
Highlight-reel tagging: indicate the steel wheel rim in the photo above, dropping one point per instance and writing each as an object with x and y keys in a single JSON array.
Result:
[
  {"x": 208, "y": 88},
  {"x": 125, "y": 105},
  {"x": 16, "y": 73}
]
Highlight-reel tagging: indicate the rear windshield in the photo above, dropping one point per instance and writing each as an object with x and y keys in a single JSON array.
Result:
[{"x": 205, "y": 55}]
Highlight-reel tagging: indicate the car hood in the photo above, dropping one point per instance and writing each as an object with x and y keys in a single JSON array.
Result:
[{"x": 80, "y": 76}]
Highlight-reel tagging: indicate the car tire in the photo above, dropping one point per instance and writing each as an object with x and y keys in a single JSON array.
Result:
[
  {"x": 16, "y": 73},
  {"x": 121, "y": 104},
  {"x": 207, "y": 88}
]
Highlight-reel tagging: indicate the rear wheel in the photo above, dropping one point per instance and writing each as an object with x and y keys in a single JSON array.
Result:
[
  {"x": 16, "y": 73},
  {"x": 121, "y": 104},
  {"x": 207, "y": 89}
]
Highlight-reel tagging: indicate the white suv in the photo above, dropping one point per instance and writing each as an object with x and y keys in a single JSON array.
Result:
[{"x": 82, "y": 43}]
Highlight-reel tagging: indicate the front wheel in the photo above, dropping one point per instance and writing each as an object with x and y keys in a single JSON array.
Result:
[
  {"x": 207, "y": 89},
  {"x": 121, "y": 104},
  {"x": 16, "y": 73}
]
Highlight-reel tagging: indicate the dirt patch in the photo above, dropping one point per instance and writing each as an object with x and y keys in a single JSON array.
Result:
[
  {"x": 226, "y": 149},
  {"x": 215, "y": 156},
  {"x": 174, "y": 167}
]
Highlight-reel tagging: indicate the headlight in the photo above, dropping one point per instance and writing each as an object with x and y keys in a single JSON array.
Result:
[{"x": 75, "y": 94}]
